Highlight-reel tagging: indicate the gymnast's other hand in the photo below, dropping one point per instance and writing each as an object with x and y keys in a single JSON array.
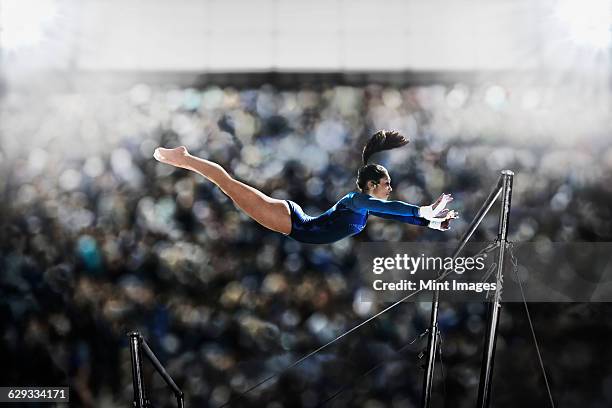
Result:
[
  {"x": 430, "y": 212},
  {"x": 442, "y": 222},
  {"x": 174, "y": 157}
]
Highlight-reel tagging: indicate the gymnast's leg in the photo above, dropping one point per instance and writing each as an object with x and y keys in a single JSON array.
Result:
[{"x": 269, "y": 212}]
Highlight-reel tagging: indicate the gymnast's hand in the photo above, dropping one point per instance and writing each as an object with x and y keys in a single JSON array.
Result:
[
  {"x": 442, "y": 222},
  {"x": 174, "y": 157},
  {"x": 436, "y": 210}
]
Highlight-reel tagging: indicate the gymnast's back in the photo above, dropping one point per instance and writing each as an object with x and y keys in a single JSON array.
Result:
[{"x": 340, "y": 221}]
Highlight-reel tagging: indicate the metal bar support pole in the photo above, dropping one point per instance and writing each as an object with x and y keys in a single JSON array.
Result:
[
  {"x": 432, "y": 340},
  {"x": 163, "y": 373},
  {"x": 137, "y": 378},
  {"x": 486, "y": 372},
  {"x": 180, "y": 402},
  {"x": 432, "y": 346}
]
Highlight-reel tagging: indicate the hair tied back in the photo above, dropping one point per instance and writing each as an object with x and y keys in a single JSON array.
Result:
[{"x": 382, "y": 140}]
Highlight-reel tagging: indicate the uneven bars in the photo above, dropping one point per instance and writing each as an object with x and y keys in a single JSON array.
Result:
[{"x": 432, "y": 339}]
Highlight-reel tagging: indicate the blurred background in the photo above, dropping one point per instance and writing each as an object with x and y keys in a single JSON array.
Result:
[{"x": 98, "y": 239}]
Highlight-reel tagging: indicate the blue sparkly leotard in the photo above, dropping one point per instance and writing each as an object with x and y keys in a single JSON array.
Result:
[{"x": 348, "y": 217}]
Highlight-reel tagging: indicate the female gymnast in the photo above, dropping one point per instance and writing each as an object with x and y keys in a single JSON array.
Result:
[{"x": 347, "y": 217}]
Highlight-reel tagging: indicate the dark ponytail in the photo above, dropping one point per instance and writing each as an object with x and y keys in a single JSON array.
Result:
[{"x": 381, "y": 140}]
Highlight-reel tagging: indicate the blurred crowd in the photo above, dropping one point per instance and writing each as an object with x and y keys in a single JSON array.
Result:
[{"x": 98, "y": 239}]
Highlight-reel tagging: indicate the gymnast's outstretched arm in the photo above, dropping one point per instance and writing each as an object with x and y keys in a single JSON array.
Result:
[
  {"x": 408, "y": 219},
  {"x": 442, "y": 223},
  {"x": 429, "y": 212}
]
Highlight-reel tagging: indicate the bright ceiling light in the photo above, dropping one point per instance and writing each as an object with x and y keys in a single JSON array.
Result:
[
  {"x": 24, "y": 23},
  {"x": 587, "y": 22}
]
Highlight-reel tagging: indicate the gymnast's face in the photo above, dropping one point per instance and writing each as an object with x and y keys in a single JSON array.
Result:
[{"x": 382, "y": 189}]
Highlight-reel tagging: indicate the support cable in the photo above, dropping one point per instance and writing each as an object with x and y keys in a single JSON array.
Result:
[
  {"x": 329, "y": 343},
  {"x": 371, "y": 370},
  {"x": 490, "y": 247},
  {"x": 440, "y": 278},
  {"x": 533, "y": 334},
  {"x": 442, "y": 367}
]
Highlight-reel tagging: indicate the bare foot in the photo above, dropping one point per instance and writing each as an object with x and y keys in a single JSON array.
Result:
[{"x": 174, "y": 157}]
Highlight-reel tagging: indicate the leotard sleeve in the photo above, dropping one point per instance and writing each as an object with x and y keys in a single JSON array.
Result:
[
  {"x": 363, "y": 201},
  {"x": 402, "y": 218}
]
